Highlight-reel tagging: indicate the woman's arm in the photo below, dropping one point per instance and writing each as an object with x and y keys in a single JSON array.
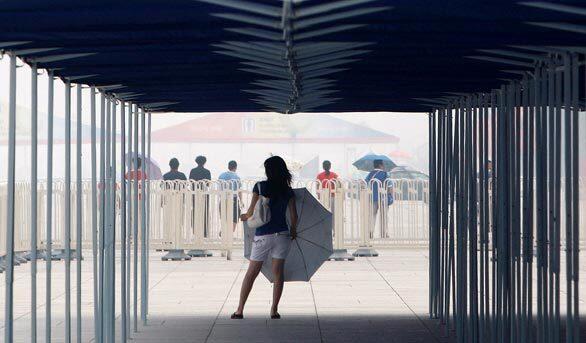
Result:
[
  {"x": 293, "y": 213},
  {"x": 244, "y": 217}
]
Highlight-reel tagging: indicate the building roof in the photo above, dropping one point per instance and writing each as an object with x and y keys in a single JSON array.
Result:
[{"x": 266, "y": 128}]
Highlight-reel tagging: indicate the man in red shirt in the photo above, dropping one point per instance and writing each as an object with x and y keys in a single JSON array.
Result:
[
  {"x": 327, "y": 180},
  {"x": 327, "y": 175}
]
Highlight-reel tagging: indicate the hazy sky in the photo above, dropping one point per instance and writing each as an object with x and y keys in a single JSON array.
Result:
[{"x": 411, "y": 129}]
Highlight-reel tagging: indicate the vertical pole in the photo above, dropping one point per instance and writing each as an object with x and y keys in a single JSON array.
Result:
[
  {"x": 49, "y": 233},
  {"x": 34, "y": 142},
  {"x": 123, "y": 222},
  {"x": 136, "y": 214},
  {"x": 148, "y": 218},
  {"x": 102, "y": 225},
  {"x": 568, "y": 195},
  {"x": 78, "y": 214},
  {"x": 9, "y": 278},
  {"x": 143, "y": 247},
  {"x": 67, "y": 216},
  {"x": 94, "y": 205},
  {"x": 107, "y": 226},
  {"x": 113, "y": 228},
  {"x": 432, "y": 205},
  {"x": 128, "y": 204},
  {"x": 575, "y": 194}
]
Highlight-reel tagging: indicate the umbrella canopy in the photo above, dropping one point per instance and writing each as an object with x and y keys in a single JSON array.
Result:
[
  {"x": 365, "y": 163},
  {"x": 152, "y": 169},
  {"x": 405, "y": 172},
  {"x": 313, "y": 244}
]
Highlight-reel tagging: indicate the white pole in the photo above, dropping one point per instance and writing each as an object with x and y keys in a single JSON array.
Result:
[
  {"x": 67, "y": 213},
  {"x": 78, "y": 213},
  {"x": 94, "y": 212},
  {"x": 8, "y": 307},
  {"x": 34, "y": 142},
  {"x": 49, "y": 233}
]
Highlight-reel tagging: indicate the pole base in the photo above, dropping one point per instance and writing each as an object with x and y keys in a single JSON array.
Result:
[
  {"x": 199, "y": 253},
  {"x": 42, "y": 255},
  {"x": 59, "y": 254},
  {"x": 20, "y": 258},
  {"x": 176, "y": 255},
  {"x": 365, "y": 252},
  {"x": 341, "y": 255}
]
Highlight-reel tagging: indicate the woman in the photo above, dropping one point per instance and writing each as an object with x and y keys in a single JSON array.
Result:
[{"x": 274, "y": 238}]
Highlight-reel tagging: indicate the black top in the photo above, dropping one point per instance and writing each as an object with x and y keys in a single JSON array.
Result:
[
  {"x": 200, "y": 173},
  {"x": 278, "y": 207},
  {"x": 174, "y": 175}
]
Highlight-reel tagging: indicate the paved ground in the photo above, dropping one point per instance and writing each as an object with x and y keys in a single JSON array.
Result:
[{"x": 382, "y": 299}]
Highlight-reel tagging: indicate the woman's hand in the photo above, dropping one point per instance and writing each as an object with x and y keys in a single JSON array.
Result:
[
  {"x": 244, "y": 217},
  {"x": 293, "y": 233}
]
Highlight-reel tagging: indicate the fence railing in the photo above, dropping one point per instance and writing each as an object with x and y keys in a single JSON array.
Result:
[{"x": 204, "y": 215}]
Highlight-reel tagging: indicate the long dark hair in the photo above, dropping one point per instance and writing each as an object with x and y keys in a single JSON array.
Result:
[{"x": 278, "y": 177}]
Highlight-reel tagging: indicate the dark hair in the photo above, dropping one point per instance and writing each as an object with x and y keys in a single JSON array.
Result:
[
  {"x": 138, "y": 162},
  {"x": 174, "y": 163},
  {"x": 232, "y": 165},
  {"x": 201, "y": 160},
  {"x": 327, "y": 166},
  {"x": 278, "y": 177},
  {"x": 378, "y": 163}
]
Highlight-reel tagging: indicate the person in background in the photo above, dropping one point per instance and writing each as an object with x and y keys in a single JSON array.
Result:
[
  {"x": 136, "y": 174},
  {"x": 200, "y": 173},
  {"x": 325, "y": 178},
  {"x": 233, "y": 181},
  {"x": 174, "y": 173},
  {"x": 327, "y": 175},
  {"x": 378, "y": 173}
]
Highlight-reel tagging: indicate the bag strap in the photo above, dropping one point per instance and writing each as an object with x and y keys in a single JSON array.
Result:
[{"x": 260, "y": 188}]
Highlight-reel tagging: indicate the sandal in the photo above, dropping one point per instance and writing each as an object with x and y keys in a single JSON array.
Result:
[
  {"x": 237, "y": 316},
  {"x": 275, "y": 315}
]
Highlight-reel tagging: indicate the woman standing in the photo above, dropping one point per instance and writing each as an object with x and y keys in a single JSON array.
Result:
[{"x": 274, "y": 238}]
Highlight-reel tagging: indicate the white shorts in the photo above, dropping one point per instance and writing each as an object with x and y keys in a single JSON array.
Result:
[{"x": 277, "y": 245}]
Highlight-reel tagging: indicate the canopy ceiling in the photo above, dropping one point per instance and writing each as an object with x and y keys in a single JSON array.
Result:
[{"x": 165, "y": 51}]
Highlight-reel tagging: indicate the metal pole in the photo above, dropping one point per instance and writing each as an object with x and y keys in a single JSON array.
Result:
[
  {"x": 130, "y": 236},
  {"x": 112, "y": 248},
  {"x": 575, "y": 194},
  {"x": 67, "y": 213},
  {"x": 148, "y": 220},
  {"x": 49, "y": 233},
  {"x": 78, "y": 214},
  {"x": 34, "y": 148},
  {"x": 568, "y": 196},
  {"x": 107, "y": 227},
  {"x": 136, "y": 214},
  {"x": 9, "y": 278},
  {"x": 94, "y": 213},
  {"x": 123, "y": 238},
  {"x": 102, "y": 225},
  {"x": 143, "y": 247}
]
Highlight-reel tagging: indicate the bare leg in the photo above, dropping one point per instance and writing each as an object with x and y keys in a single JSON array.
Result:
[
  {"x": 278, "y": 271},
  {"x": 251, "y": 274}
]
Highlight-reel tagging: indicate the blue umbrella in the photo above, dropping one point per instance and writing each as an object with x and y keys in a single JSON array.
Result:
[{"x": 366, "y": 163}]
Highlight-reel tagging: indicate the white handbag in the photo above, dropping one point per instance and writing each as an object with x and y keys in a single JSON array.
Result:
[{"x": 262, "y": 212}]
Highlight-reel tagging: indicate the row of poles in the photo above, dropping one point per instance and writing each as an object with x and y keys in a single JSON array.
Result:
[
  {"x": 504, "y": 217},
  {"x": 131, "y": 210}
]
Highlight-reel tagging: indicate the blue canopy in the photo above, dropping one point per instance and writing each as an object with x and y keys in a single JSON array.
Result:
[{"x": 165, "y": 53}]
